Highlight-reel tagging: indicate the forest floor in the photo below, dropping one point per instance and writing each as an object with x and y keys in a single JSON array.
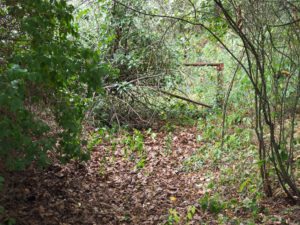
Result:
[{"x": 113, "y": 190}]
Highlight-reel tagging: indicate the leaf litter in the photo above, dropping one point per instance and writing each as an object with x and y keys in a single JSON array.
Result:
[{"x": 117, "y": 192}]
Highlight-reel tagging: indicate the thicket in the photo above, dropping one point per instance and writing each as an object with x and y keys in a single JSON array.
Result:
[
  {"x": 271, "y": 46},
  {"x": 137, "y": 48},
  {"x": 44, "y": 68}
]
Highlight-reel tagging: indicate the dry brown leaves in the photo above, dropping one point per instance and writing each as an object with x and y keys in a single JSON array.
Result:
[{"x": 114, "y": 193}]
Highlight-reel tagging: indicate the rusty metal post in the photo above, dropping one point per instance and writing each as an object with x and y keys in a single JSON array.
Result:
[{"x": 220, "y": 68}]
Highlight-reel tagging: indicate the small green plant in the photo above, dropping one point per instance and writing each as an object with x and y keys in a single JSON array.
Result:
[
  {"x": 10, "y": 221},
  {"x": 190, "y": 212},
  {"x": 209, "y": 128},
  {"x": 193, "y": 163},
  {"x": 134, "y": 143},
  {"x": 153, "y": 135},
  {"x": 141, "y": 162},
  {"x": 169, "y": 127},
  {"x": 168, "y": 148},
  {"x": 253, "y": 205},
  {"x": 212, "y": 204},
  {"x": 96, "y": 138},
  {"x": 173, "y": 217}
]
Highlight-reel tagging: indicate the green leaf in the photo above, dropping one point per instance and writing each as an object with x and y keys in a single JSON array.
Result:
[
  {"x": 214, "y": 207},
  {"x": 189, "y": 216},
  {"x": 204, "y": 205},
  {"x": 83, "y": 12},
  {"x": 211, "y": 185},
  {"x": 284, "y": 155},
  {"x": 193, "y": 209},
  {"x": 244, "y": 184},
  {"x": 233, "y": 202},
  {"x": 10, "y": 221}
]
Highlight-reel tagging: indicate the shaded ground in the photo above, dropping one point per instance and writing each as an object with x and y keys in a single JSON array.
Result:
[{"x": 103, "y": 191}]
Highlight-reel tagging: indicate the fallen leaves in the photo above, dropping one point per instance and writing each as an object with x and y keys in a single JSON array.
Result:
[
  {"x": 173, "y": 198},
  {"x": 114, "y": 192}
]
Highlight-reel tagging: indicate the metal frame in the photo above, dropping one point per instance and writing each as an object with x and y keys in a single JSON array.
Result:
[{"x": 220, "y": 69}]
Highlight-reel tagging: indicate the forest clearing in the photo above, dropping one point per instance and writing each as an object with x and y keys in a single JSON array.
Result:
[{"x": 149, "y": 112}]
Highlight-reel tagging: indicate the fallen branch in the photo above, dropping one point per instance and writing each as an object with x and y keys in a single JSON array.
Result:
[
  {"x": 183, "y": 98},
  {"x": 202, "y": 64}
]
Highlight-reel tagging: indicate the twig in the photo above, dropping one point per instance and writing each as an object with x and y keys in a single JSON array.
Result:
[
  {"x": 183, "y": 98},
  {"x": 132, "y": 81},
  {"x": 227, "y": 97},
  {"x": 194, "y": 7}
]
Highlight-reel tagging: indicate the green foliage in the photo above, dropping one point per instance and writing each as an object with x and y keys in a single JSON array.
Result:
[
  {"x": 135, "y": 144},
  {"x": 168, "y": 147},
  {"x": 131, "y": 142},
  {"x": 47, "y": 65},
  {"x": 212, "y": 19},
  {"x": 212, "y": 204},
  {"x": 173, "y": 217},
  {"x": 180, "y": 112},
  {"x": 126, "y": 40},
  {"x": 193, "y": 163},
  {"x": 10, "y": 221},
  {"x": 190, "y": 212},
  {"x": 1, "y": 182},
  {"x": 169, "y": 126},
  {"x": 136, "y": 47}
]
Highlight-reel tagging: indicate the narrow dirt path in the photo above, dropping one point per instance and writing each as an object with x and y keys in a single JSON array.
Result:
[
  {"x": 114, "y": 193},
  {"x": 112, "y": 190},
  {"x": 144, "y": 196}
]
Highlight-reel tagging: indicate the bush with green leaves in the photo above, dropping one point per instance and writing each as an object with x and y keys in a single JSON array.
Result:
[
  {"x": 135, "y": 45},
  {"x": 44, "y": 67}
]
